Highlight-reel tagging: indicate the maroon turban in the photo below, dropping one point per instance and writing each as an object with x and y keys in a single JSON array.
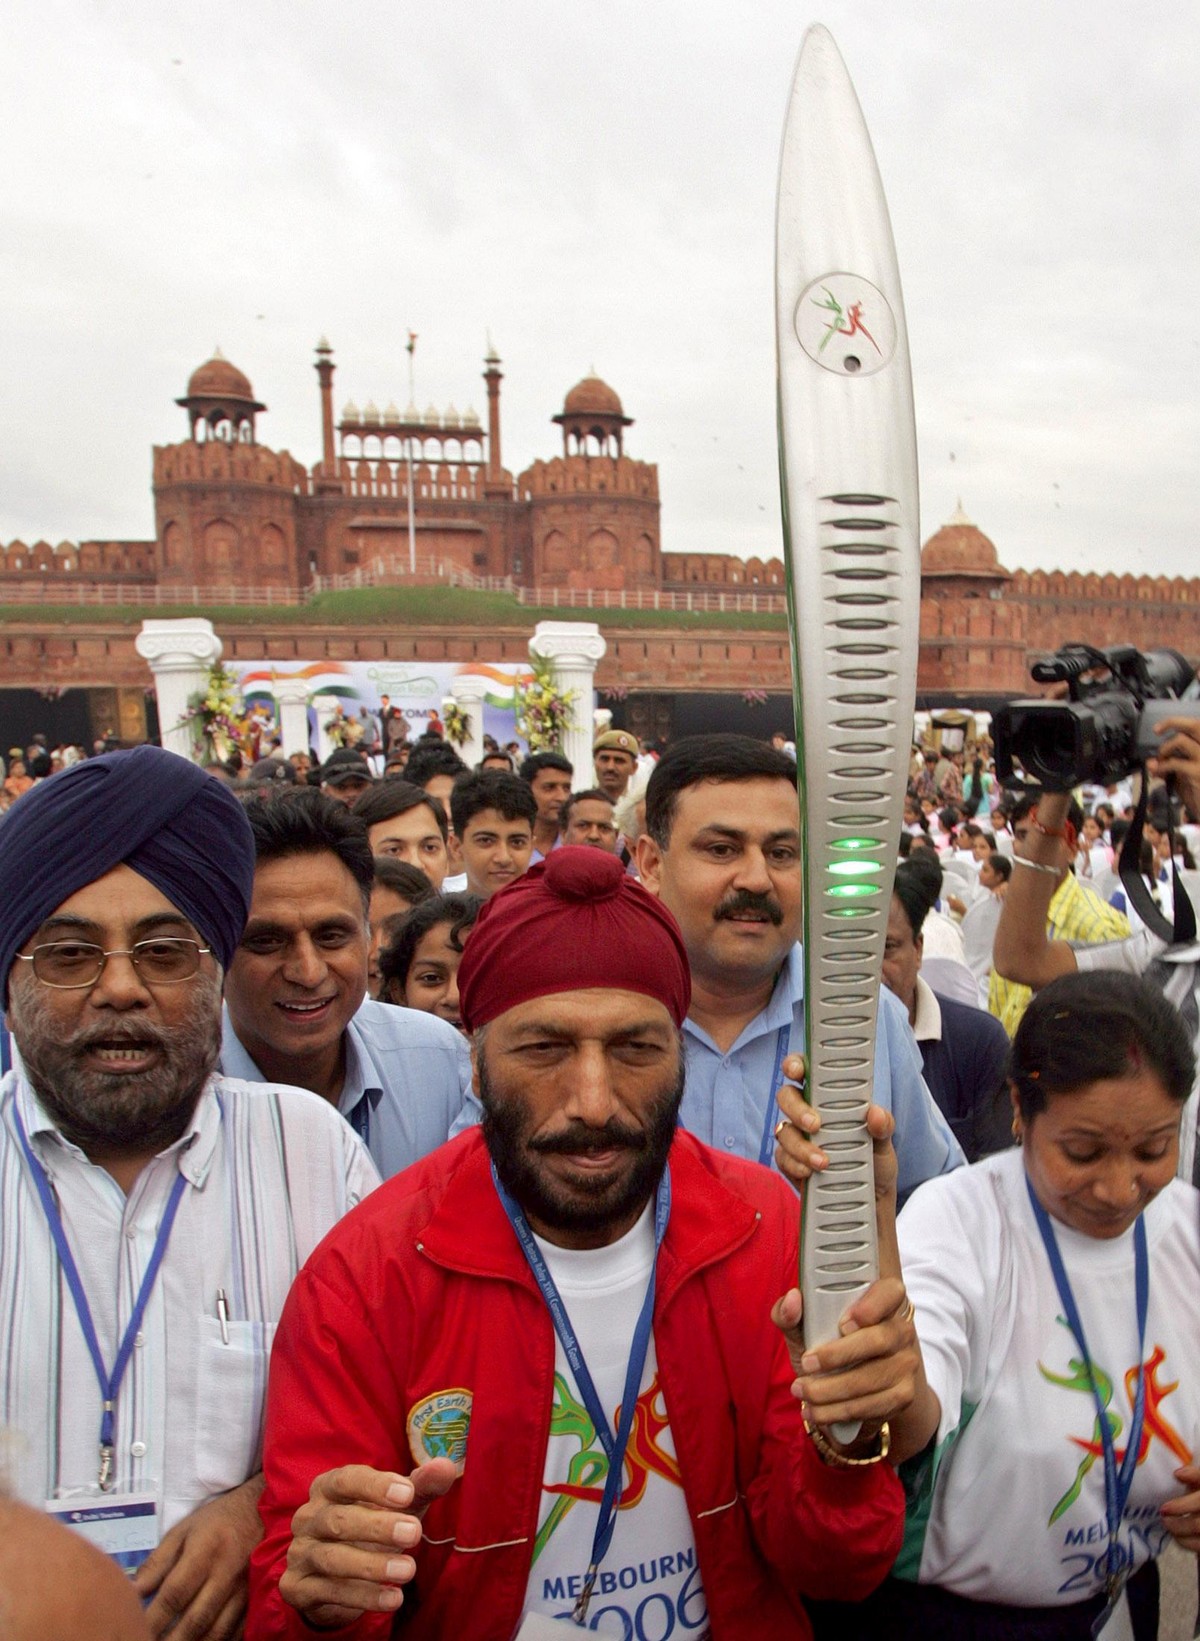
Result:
[{"x": 574, "y": 921}]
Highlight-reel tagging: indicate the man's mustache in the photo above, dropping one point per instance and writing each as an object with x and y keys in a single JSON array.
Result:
[
  {"x": 742, "y": 901},
  {"x": 578, "y": 1140}
]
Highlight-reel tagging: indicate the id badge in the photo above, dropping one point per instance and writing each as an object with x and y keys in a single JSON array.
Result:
[
  {"x": 542, "y": 1627},
  {"x": 1115, "y": 1623},
  {"x": 123, "y": 1525}
]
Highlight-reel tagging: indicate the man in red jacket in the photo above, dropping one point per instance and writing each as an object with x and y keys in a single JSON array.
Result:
[{"x": 535, "y": 1376}]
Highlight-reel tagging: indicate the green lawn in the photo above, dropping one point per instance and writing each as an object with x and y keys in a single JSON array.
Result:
[{"x": 392, "y": 607}]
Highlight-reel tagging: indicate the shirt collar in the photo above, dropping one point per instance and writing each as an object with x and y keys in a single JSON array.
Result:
[
  {"x": 468, "y": 1230},
  {"x": 781, "y": 1007},
  {"x": 194, "y": 1147},
  {"x": 235, "y": 1062},
  {"x": 927, "y": 1024},
  {"x": 363, "y": 1079},
  {"x": 362, "y": 1076}
]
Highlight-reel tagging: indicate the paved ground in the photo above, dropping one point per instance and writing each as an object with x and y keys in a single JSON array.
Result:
[{"x": 1178, "y": 1618}]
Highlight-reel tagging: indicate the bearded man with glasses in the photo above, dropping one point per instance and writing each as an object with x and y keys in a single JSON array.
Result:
[{"x": 154, "y": 1214}]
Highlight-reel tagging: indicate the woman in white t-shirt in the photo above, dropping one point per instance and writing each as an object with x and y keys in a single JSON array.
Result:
[{"x": 1008, "y": 1533}]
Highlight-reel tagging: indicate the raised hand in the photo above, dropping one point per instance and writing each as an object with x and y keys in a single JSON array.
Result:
[
  {"x": 354, "y": 1541},
  {"x": 798, "y": 1153},
  {"x": 1181, "y": 1516}
]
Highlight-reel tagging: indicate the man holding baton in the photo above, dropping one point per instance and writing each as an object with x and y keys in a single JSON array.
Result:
[{"x": 548, "y": 1372}]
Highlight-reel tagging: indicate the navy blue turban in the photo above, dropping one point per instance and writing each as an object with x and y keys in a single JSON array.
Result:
[{"x": 148, "y": 809}]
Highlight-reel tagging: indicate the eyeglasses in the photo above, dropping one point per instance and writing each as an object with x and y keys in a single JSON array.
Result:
[{"x": 72, "y": 965}]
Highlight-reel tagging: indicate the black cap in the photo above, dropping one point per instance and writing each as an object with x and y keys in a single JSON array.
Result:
[
  {"x": 273, "y": 769},
  {"x": 345, "y": 765}
]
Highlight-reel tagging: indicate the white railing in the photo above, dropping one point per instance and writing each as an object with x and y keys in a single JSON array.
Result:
[
  {"x": 700, "y": 599},
  {"x": 443, "y": 572},
  {"x": 430, "y": 573},
  {"x": 140, "y": 593}
]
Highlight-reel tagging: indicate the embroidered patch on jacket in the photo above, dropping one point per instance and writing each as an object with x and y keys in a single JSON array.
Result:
[{"x": 438, "y": 1425}]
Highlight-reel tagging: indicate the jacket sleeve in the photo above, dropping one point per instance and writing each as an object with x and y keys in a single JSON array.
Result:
[
  {"x": 332, "y": 1400},
  {"x": 829, "y": 1533}
]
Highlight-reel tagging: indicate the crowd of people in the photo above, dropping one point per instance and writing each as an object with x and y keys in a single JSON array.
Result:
[{"x": 399, "y": 1174}]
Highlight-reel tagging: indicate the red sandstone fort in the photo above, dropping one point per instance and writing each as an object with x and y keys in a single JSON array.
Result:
[{"x": 423, "y": 496}]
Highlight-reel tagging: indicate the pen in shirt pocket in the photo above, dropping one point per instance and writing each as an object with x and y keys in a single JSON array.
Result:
[{"x": 223, "y": 1315}]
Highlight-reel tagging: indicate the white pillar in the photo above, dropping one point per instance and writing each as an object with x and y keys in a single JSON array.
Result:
[
  {"x": 291, "y": 696},
  {"x": 574, "y": 650},
  {"x": 469, "y": 690},
  {"x": 324, "y": 706},
  {"x": 179, "y": 654}
]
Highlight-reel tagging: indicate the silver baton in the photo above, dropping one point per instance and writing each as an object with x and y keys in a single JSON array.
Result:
[{"x": 848, "y": 472}]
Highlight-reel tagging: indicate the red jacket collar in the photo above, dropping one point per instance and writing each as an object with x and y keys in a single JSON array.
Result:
[{"x": 468, "y": 1231}]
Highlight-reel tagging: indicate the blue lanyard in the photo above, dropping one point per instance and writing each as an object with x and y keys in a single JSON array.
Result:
[
  {"x": 1117, "y": 1482},
  {"x": 110, "y": 1383},
  {"x": 614, "y": 1447},
  {"x": 765, "y": 1146}
]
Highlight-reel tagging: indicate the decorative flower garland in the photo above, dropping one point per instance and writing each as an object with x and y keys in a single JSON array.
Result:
[
  {"x": 456, "y": 721},
  {"x": 544, "y": 712},
  {"x": 215, "y": 714}
]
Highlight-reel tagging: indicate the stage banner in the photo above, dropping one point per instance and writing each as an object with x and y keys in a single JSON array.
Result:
[{"x": 416, "y": 688}]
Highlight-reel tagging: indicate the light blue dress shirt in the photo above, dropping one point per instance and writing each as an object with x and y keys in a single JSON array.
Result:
[
  {"x": 726, "y": 1095},
  {"x": 407, "y": 1075}
]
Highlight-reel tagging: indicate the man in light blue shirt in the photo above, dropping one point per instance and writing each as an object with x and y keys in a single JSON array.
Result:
[
  {"x": 296, "y": 1009},
  {"x": 722, "y": 850}
]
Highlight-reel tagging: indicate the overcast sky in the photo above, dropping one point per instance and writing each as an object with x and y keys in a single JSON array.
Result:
[{"x": 594, "y": 184}]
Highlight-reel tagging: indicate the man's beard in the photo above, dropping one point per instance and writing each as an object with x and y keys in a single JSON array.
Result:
[
  {"x": 541, "y": 1195},
  {"x": 112, "y": 1110}
]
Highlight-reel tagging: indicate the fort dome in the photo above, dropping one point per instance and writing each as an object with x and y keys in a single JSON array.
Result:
[
  {"x": 592, "y": 397},
  {"x": 216, "y": 378},
  {"x": 960, "y": 548}
]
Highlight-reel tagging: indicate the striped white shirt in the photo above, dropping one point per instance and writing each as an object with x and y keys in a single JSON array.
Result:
[{"x": 270, "y": 1170}]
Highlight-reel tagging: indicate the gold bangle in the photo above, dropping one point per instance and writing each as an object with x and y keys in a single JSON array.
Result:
[{"x": 842, "y": 1461}]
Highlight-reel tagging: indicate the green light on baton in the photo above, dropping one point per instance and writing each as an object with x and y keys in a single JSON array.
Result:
[
  {"x": 854, "y": 868},
  {"x": 852, "y": 891}
]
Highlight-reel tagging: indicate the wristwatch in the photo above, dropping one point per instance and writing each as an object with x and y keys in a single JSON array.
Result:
[{"x": 843, "y": 1461}]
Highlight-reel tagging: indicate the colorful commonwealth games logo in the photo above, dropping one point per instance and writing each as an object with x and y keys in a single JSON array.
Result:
[
  {"x": 846, "y": 325},
  {"x": 1156, "y": 1426},
  {"x": 438, "y": 1426}
]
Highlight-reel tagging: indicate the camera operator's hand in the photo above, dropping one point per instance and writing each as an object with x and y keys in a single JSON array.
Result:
[{"x": 1179, "y": 755}]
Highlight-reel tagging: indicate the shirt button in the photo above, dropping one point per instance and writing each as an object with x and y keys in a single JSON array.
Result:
[
  {"x": 131, "y": 1233},
  {"x": 729, "y": 1142},
  {"x": 139, "y": 1339},
  {"x": 137, "y": 1450}
]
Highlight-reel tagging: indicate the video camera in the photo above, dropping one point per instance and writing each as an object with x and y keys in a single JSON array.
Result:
[{"x": 1105, "y": 728}]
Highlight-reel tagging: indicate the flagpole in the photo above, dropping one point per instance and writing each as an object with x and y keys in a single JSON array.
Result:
[{"x": 412, "y": 521}]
